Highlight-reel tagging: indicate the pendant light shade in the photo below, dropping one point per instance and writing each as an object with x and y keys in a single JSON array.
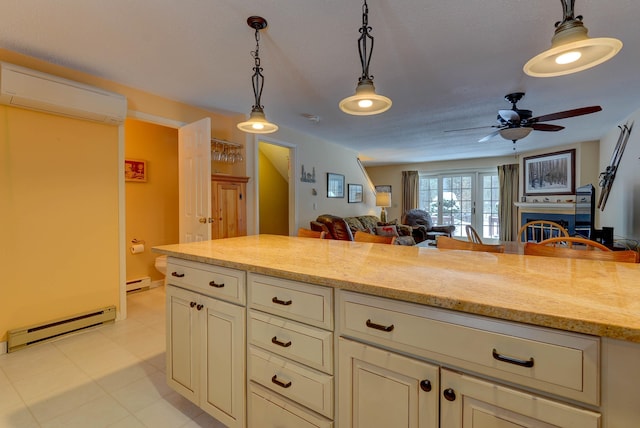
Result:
[
  {"x": 257, "y": 123},
  {"x": 365, "y": 102},
  {"x": 572, "y": 50}
]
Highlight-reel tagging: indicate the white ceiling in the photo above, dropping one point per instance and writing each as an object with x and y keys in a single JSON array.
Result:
[{"x": 445, "y": 64}]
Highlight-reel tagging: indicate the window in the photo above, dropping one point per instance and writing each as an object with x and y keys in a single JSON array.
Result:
[{"x": 462, "y": 199}]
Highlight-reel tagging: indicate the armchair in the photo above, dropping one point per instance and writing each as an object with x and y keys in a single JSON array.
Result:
[{"x": 423, "y": 227}]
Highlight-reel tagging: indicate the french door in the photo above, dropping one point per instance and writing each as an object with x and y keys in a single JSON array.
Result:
[{"x": 462, "y": 199}]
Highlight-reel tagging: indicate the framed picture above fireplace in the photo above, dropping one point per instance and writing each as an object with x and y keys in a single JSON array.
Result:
[{"x": 550, "y": 173}]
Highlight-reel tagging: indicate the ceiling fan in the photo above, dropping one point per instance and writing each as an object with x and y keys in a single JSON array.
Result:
[{"x": 516, "y": 123}]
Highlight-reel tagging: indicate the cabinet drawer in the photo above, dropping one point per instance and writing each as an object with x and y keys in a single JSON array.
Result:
[
  {"x": 310, "y": 304},
  {"x": 268, "y": 410},
  {"x": 305, "y": 344},
  {"x": 215, "y": 281},
  {"x": 561, "y": 363},
  {"x": 301, "y": 384}
]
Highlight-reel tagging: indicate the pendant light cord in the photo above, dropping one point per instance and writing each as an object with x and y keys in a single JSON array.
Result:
[
  {"x": 257, "y": 79},
  {"x": 365, "y": 57}
]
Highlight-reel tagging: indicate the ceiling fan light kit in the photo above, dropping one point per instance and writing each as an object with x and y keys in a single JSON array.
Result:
[
  {"x": 572, "y": 50},
  {"x": 365, "y": 102},
  {"x": 257, "y": 123}
]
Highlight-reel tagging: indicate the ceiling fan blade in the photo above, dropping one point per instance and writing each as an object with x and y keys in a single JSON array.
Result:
[
  {"x": 546, "y": 127},
  {"x": 509, "y": 115},
  {"x": 566, "y": 114},
  {"x": 488, "y": 137},
  {"x": 469, "y": 129}
]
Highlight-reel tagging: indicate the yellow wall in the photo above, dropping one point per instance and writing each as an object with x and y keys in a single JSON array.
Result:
[
  {"x": 273, "y": 199},
  {"x": 59, "y": 202},
  {"x": 151, "y": 206},
  {"x": 58, "y": 217}
]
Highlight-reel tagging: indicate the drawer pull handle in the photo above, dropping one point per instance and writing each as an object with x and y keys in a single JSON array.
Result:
[
  {"x": 177, "y": 275},
  {"x": 214, "y": 284},
  {"x": 380, "y": 327},
  {"x": 511, "y": 360},
  {"x": 425, "y": 385},
  {"x": 449, "y": 394},
  {"x": 275, "y": 380},
  {"x": 275, "y": 341},
  {"x": 281, "y": 302}
]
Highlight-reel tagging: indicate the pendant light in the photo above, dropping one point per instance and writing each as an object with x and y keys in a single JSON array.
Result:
[
  {"x": 572, "y": 50},
  {"x": 365, "y": 102},
  {"x": 257, "y": 123}
]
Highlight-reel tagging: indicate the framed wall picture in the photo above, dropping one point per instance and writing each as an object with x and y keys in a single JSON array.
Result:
[
  {"x": 355, "y": 193},
  {"x": 335, "y": 185},
  {"x": 135, "y": 170},
  {"x": 550, "y": 174}
]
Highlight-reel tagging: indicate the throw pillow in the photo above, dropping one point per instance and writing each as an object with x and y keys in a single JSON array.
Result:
[{"x": 386, "y": 231}]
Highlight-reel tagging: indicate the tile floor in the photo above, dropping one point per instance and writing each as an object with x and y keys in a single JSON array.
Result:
[{"x": 109, "y": 376}]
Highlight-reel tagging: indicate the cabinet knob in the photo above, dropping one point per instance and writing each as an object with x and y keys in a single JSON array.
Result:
[
  {"x": 199, "y": 307},
  {"x": 425, "y": 385},
  {"x": 449, "y": 394},
  {"x": 192, "y": 304}
]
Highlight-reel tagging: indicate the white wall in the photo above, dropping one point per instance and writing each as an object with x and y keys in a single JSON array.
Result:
[
  {"x": 325, "y": 157},
  {"x": 622, "y": 210}
]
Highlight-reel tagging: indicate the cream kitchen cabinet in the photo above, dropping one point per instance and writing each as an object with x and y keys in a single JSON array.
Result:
[
  {"x": 290, "y": 353},
  {"x": 381, "y": 389},
  {"x": 564, "y": 365},
  {"x": 206, "y": 341}
]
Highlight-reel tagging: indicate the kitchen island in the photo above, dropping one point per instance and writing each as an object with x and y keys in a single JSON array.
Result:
[{"x": 589, "y": 309}]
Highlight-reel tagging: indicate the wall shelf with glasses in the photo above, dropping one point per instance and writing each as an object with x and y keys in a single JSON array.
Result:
[{"x": 226, "y": 151}]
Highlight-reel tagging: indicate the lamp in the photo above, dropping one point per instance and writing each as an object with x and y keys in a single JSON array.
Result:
[
  {"x": 365, "y": 102},
  {"x": 571, "y": 48},
  {"x": 383, "y": 199},
  {"x": 514, "y": 134},
  {"x": 257, "y": 123}
]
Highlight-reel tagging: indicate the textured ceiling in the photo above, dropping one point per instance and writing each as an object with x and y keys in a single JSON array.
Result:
[{"x": 445, "y": 64}]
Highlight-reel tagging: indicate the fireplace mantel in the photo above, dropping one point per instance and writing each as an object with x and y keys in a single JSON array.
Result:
[{"x": 546, "y": 207}]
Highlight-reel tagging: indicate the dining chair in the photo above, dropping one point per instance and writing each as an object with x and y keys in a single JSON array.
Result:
[
  {"x": 360, "y": 236},
  {"x": 592, "y": 250},
  {"x": 539, "y": 230},
  {"x": 447, "y": 243},
  {"x": 472, "y": 235},
  {"x": 308, "y": 233}
]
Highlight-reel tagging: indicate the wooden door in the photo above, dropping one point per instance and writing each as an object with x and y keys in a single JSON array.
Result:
[
  {"x": 381, "y": 389},
  {"x": 194, "y": 177},
  {"x": 229, "y": 206}
]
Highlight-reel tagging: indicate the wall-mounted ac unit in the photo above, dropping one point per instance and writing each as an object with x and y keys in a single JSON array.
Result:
[{"x": 30, "y": 89}]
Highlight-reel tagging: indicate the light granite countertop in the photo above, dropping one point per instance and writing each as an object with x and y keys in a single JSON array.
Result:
[{"x": 585, "y": 296}]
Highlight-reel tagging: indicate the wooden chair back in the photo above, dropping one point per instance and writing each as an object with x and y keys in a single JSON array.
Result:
[
  {"x": 539, "y": 230},
  {"x": 472, "y": 235},
  {"x": 360, "y": 236},
  {"x": 568, "y": 241},
  {"x": 308, "y": 233},
  {"x": 446, "y": 243},
  {"x": 533, "y": 249}
]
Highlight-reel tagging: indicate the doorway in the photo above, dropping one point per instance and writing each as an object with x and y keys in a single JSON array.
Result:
[{"x": 276, "y": 188}]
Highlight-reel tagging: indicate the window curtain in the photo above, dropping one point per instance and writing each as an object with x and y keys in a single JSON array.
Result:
[
  {"x": 410, "y": 189},
  {"x": 507, "y": 211}
]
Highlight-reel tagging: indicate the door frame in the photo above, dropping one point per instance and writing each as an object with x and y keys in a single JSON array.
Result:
[{"x": 293, "y": 184}]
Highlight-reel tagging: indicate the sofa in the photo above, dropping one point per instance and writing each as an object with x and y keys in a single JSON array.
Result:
[
  {"x": 343, "y": 228},
  {"x": 423, "y": 225}
]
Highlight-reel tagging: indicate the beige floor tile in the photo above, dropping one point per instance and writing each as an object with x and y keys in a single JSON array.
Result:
[
  {"x": 97, "y": 413},
  {"x": 143, "y": 392}
]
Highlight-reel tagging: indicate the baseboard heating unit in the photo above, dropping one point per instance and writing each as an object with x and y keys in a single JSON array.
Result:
[
  {"x": 22, "y": 337},
  {"x": 142, "y": 283}
]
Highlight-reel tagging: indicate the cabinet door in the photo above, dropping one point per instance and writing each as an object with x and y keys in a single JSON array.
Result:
[
  {"x": 380, "y": 389},
  {"x": 183, "y": 342},
  {"x": 229, "y": 210},
  {"x": 223, "y": 361},
  {"x": 470, "y": 402}
]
